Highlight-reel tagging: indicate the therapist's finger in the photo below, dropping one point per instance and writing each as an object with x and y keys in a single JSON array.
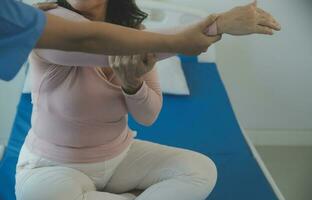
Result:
[
  {"x": 215, "y": 39},
  {"x": 46, "y": 6},
  {"x": 208, "y": 21}
]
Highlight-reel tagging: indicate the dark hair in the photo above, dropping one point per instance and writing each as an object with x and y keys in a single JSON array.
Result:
[{"x": 121, "y": 12}]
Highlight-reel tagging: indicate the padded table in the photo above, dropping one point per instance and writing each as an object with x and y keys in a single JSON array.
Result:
[{"x": 203, "y": 121}]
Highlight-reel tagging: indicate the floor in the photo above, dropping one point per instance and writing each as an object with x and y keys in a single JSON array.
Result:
[{"x": 291, "y": 168}]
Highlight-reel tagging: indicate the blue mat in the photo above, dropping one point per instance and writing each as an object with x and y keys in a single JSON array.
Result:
[
  {"x": 203, "y": 122},
  {"x": 8, "y": 163}
]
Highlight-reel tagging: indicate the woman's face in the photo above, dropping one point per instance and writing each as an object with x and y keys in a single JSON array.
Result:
[{"x": 86, "y": 5}]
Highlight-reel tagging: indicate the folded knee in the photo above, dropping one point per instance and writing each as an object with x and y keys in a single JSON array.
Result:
[
  {"x": 201, "y": 169},
  {"x": 207, "y": 171},
  {"x": 51, "y": 184}
]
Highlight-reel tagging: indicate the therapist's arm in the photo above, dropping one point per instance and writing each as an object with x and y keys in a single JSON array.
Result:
[
  {"x": 105, "y": 38},
  {"x": 74, "y": 58}
]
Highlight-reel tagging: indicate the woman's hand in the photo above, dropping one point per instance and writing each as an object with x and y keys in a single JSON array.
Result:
[
  {"x": 45, "y": 6},
  {"x": 193, "y": 40},
  {"x": 131, "y": 69},
  {"x": 246, "y": 20}
]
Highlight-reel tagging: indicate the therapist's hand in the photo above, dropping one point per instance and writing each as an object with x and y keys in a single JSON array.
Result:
[
  {"x": 45, "y": 6},
  {"x": 131, "y": 69},
  {"x": 246, "y": 20}
]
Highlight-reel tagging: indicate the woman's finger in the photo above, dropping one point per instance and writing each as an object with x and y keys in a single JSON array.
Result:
[
  {"x": 136, "y": 59},
  {"x": 117, "y": 61},
  {"x": 269, "y": 23},
  {"x": 264, "y": 30},
  {"x": 141, "y": 65},
  {"x": 116, "y": 69},
  {"x": 111, "y": 61},
  {"x": 149, "y": 62},
  {"x": 263, "y": 15},
  {"x": 125, "y": 60},
  {"x": 151, "y": 59},
  {"x": 214, "y": 39}
]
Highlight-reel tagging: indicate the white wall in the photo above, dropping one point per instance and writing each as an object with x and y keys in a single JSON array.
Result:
[{"x": 269, "y": 78}]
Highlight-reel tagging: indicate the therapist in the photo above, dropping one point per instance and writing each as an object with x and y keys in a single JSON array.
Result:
[{"x": 23, "y": 28}]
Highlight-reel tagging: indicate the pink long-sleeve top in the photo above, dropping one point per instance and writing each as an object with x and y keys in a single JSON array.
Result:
[{"x": 80, "y": 114}]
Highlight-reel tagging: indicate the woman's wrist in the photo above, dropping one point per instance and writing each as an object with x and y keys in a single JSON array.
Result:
[
  {"x": 133, "y": 87},
  {"x": 221, "y": 25}
]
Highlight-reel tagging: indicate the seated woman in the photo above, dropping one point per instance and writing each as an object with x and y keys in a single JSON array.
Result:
[{"x": 80, "y": 146}]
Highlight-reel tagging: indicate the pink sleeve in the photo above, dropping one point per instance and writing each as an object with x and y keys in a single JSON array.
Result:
[
  {"x": 82, "y": 59},
  {"x": 72, "y": 58},
  {"x": 146, "y": 104}
]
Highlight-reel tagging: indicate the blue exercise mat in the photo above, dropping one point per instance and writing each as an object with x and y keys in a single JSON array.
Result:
[
  {"x": 203, "y": 122},
  {"x": 7, "y": 165}
]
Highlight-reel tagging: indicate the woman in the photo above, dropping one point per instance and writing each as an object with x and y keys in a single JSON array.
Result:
[{"x": 80, "y": 146}]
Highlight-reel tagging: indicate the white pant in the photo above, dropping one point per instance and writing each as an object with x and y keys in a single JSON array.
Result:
[{"x": 165, "y": 173}]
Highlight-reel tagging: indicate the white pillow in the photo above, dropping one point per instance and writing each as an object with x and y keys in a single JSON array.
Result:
[
  {"x": 171, "y": 76},
  {"x": 26, "y": 88},
  {"x": 209, "y": 56}
]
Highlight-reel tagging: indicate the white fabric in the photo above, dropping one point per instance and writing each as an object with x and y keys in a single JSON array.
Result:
[
  {"x": 27, "y": 86},
  {"x": 171, "y": 77},
  {"x": 163, "y": 172},
  {"x": 209, "y": 56}
]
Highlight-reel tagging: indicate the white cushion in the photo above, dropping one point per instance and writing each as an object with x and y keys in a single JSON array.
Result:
[
  {"x": 171, "y": 77},
  {"x": 209, "y": 56}
]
